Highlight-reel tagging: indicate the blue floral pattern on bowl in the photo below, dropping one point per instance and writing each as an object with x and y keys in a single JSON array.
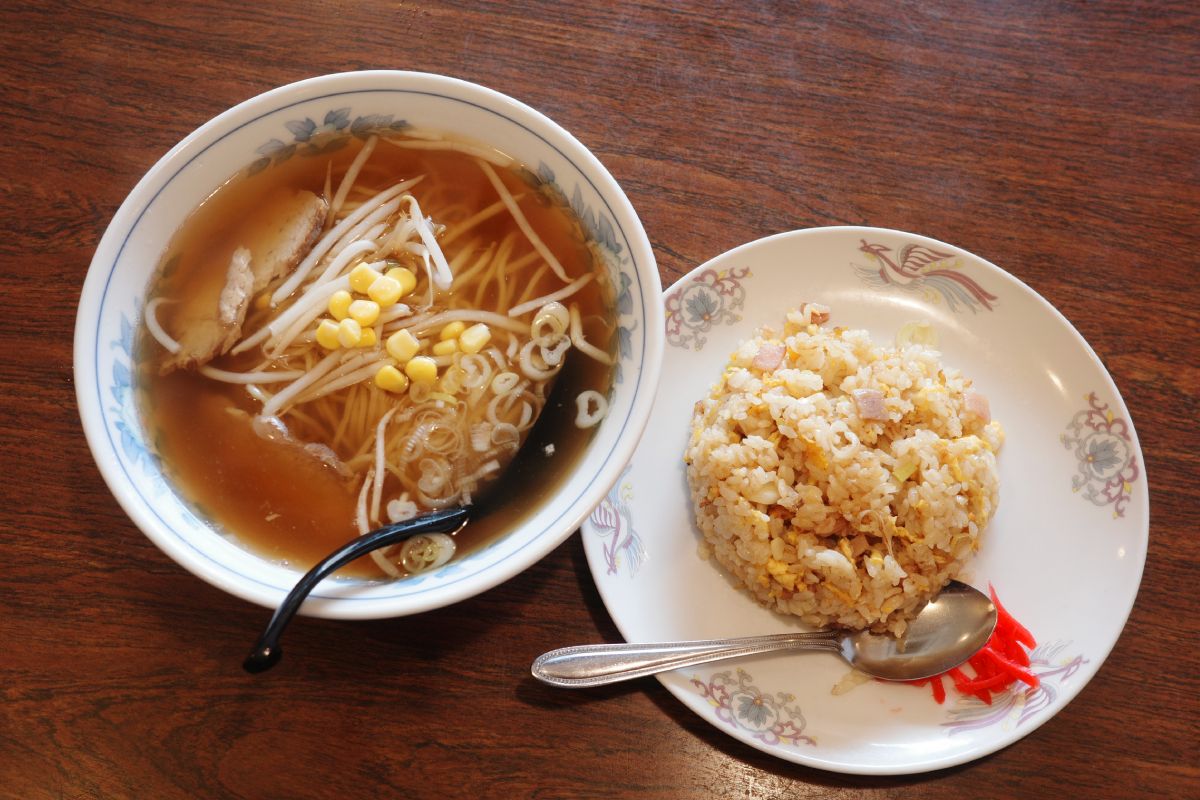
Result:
[
  {"x": 335, "y": 132},
  {"x": 124, "y": 410}
]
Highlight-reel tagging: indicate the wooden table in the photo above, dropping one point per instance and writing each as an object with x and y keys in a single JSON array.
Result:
[{"x": 1061, "y": 140}]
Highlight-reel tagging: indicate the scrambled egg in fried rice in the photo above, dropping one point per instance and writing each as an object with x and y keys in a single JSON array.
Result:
[{"x": 838, "y": 480}]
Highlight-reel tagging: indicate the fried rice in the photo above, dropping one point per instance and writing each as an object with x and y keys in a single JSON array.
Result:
[{"x": 839, "y": 480}]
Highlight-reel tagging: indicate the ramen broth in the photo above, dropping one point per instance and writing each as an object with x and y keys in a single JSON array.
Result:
[{"x": 280, "y": 501}]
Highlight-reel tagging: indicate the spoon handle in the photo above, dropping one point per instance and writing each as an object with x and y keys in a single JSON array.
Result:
[
  {"x": 267, "y": 651},
  {"x": 582, "y": 666}
]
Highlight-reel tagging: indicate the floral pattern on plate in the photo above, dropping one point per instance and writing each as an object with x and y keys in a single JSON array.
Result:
[
  {"x": 712, "y": 298},
  {"x": 936, "y": 275},
  {"x": 770, "y": 718},
  {"x": 1019, "y": 703},
  {"x": 1107, "y": 464}
]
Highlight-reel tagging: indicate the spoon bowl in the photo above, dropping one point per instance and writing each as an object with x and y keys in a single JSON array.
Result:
[{"x": 946, "y": 632}]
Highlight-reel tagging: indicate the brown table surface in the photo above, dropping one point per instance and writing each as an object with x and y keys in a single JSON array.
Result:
[{"x": 1058, "y": 139}]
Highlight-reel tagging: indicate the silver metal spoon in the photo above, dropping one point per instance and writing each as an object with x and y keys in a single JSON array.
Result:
[{"x": 945, "y": 633}]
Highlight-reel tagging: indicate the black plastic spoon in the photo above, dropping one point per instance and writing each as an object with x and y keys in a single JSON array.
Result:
[{"x": 267, "y": 650}]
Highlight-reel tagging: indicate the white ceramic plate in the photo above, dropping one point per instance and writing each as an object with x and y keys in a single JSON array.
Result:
[{"x": 1065, "y": 550}]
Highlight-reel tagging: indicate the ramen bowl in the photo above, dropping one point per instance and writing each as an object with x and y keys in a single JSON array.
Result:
[{"x": 259, "y": 134}]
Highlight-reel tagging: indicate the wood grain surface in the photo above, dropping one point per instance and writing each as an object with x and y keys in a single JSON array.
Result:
[{"x": 1057, "y": 138}]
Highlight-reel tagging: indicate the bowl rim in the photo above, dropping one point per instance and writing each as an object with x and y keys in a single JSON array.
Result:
[{"x": 100, "y": 275}]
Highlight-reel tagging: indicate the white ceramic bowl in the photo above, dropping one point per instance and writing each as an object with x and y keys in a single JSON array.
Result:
[{"x": 261, "y": 129}]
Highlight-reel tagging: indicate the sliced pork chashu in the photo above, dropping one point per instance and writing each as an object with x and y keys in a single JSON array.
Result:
[
  {"x": 210, "y": 320},
  {"x": 277, "y": 244}
]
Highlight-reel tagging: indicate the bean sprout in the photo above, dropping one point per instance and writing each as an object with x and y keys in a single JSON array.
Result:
[
  {"x": 343, "y": 258},
  {"x": 169, "y": 344},
  {"x": 351, "y": 176},
  {"x": 399, "y": 236},
  {"x": 377, "y": 488},
  {"x": 523, "y": 223},
  {"x": 582, "y": 344},
  {"x": 258, "y": 376},
  {"x": 360, "y": 508},
  {"x": 334, "y": 235},
  {"x": 466, "y": 315},
  {"x": 312, "y": 376},
  {"x": 562, "y": 294},
  {"x": 443, "y": 276},
  {"x": 496, "y": 157},
  {"x": 156, "y": 330},
  {"x": 307, "y": 308}
]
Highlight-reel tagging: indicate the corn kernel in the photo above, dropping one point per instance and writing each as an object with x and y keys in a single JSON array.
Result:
[
  {"x": 263, "y": 301},
  {"x": 402, "y": 345},
  {"x": 404, "y": 277},
  {"x": 385, "y": 291},
  {"x": 349, "y": 333},
  {"x": 361, "y": 278},
  {"x": 327, "y": 335},
  {"x": 369, "y": 339},
  {"x": 452, "y": 330},
  {"x": 445, "y": 348},
  {"x": 421, "y": 369},
  {"x": 391, "y": 379},
  {"x": 475, "y": 338},
  {"x": 364, "y": 312},
  {"x": 339, "y": 304}
]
